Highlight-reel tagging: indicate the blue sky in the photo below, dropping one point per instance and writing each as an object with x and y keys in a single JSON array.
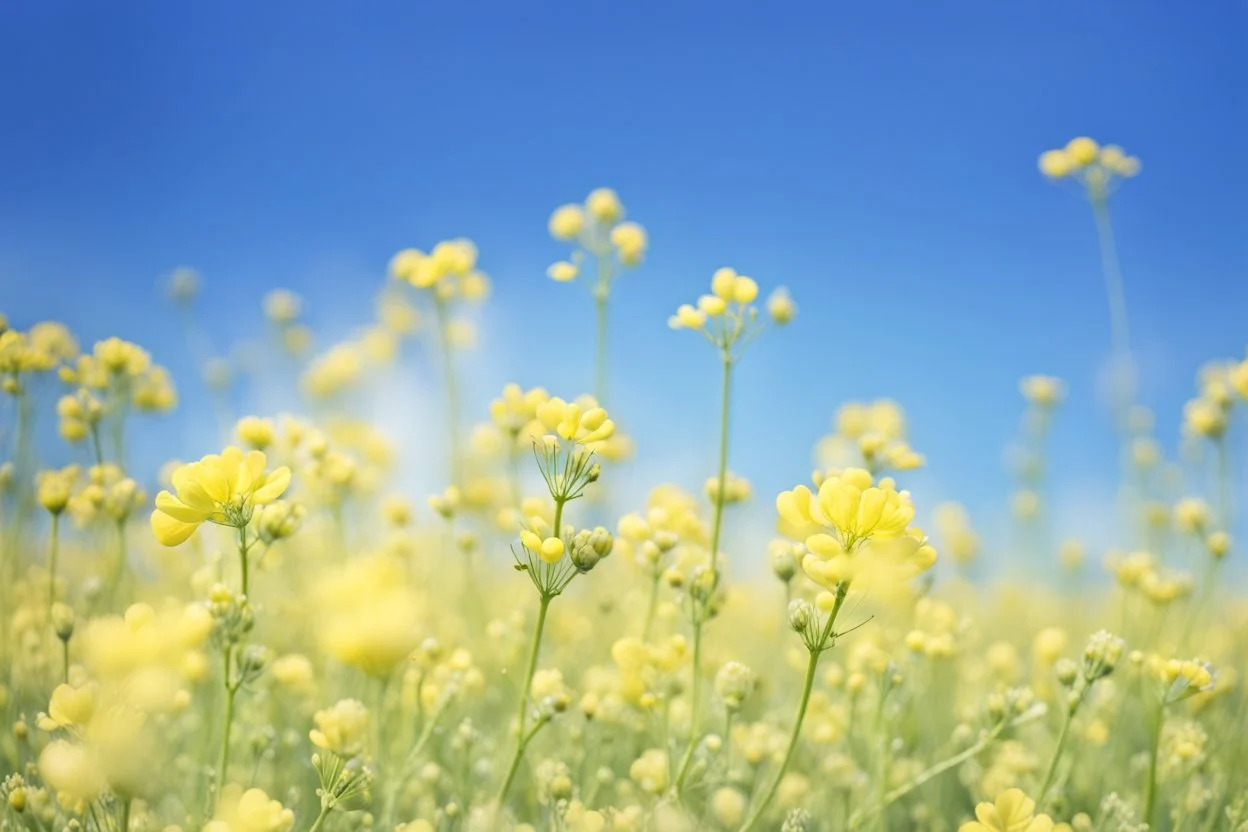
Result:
[{"x": 878, "y": 159}]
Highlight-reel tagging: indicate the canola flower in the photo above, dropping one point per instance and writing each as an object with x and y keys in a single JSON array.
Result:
[
  {"x": 598, "y": 230},
  {"x": 317, "y": 666},
  {"x": 1098, "y": 170}
]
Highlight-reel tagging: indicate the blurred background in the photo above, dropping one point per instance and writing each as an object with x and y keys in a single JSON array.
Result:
[{"x": 878, "y": 159}]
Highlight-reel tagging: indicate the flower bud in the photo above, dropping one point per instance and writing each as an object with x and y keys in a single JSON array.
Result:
[
  {"x": 63, "y": 620},
  {"x": 733, "y": 684},
  {"x": 801, "y": 616},
  {"x": 1066, "y": 671}
]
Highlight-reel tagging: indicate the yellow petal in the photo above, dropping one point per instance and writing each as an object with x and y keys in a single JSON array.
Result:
[
  {"x": 172, "y": 506},
  {"x": 211, "y": 475},
  {"x": 169, "y": 530},
  {"x": 275, "y": 484},
  {"x": 190, "y": 491},
  {"x": 794, "y": 506}
]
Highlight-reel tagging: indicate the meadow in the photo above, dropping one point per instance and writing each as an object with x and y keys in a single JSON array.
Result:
[{"x": 273, "y": 637}]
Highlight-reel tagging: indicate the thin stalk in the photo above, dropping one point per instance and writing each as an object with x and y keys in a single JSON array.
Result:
[
  {"x": 1150, "y": 785},
  {"x": 65, "y": 660},
  {"x": 243, "y": 546},
  {"x": 54, "y": 545},
  {"x": 807, "y": 685},
  {"x": 96, "y": 446},
  {"x": 223, "y": 761},
  {"x": 124, "y": 824},
  {"x": 522, "y": 710},
  {"x": 452, "y": 386},
  {"x": 320, "y": 819},
  {"x": 648, "y": 627},
  {"x": 1114, "y": 288},
  {"x": 1224, "y": 485},
  {"x": 696, "y": 694},
  {"x": 935, "y": 771},
  {"x": 602, "y": 294},
  {"x": 1057, "y": 756},
  {"x": 721, "y": 485},
  {"x": 717, "y": 524}
]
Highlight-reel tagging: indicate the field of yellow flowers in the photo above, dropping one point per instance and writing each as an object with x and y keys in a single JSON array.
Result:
[{"x": 271, "y": 638}]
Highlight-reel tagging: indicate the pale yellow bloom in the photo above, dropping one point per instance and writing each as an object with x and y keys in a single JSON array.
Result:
[{"x": 223, "y": 489}]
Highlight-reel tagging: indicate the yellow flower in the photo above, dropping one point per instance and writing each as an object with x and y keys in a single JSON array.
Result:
[
  {"x": 341, "y": 729},
  {"x": 780, "y": 306},
  {"x": 282, "y": 306},
  {"x": 1204, "y": 418},
  {"x": 575, "y": 423},
  {"x": 54, "y": 488},
  {"x": 121, "y": 357},
  {"x": 630, "y": 241},
  {"x": 649, "y": 771},
  {"x": 1042, "y": 391},
  {"x": 249, "y": 811},
  {"x": 1082, "y": 150},
  {"x": 256, "y": 432},
  {"x": 563, "y": 271},
  {"x": 567, "y": 222},
  {"x": 687, "y": 317},
  {"x": 1012, "y": 811},
  {"x": 70, "y": 707},
  {"x": 516, "y": 408},
  {"x": 71, "y": 770},
  {"x": 1056, "y": 164},
  {"x": 604, "y": 205},
  {"x": 851, "y": 506},
  {"x": 222, "y": 489}
]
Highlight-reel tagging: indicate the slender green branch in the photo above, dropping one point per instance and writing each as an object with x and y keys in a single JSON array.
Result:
[
  {"x": 54, "y": 544},
  {"x": 935, "y": 771},
  {"x": 816, "y": 650},
  {"x": 522, "y": 739},
  {"x": 223, "y": 760},
  {"x": 1150, "y": 784},
  {"x": 452, "y": 387}
]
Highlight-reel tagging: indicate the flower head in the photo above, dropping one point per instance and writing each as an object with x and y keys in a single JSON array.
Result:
[
  {"x": 1012, "y": 811},
  {"x": 224, "y": 489},
  {"x": 341, "y": 729}
]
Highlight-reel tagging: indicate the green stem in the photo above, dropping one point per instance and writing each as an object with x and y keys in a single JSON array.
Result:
[
  {"x": 243, "y": 546},
  {"x": 124, "y": 825},
  {"x": 721, "y": 485},
  {"x": 65, "y": 660},
  {"x": 716, "y": 529},
  {"x": 1150, "y": 785},
  {"x": 1114, "y": 288},
  {"x": 522, "y": 709},
  {"x": 513, "y": 471},
  {"x": 54, "y": 545},
  {"x": 936, "y": 770},
  {"x": 96, "y": 446},
  {"x": 452, "y": 387},
  {"x": 1224, "y": 485},
  {"x": 320, "y": 819},
  {"x": 1057, "y": 753},
  {"x": 651, "y": 607},
  {"x": 223, "y": 761},
  {"x": 602, "y": 294},
  {"x": 807, "y": 685},
  {"x": 695, "y": 710}
]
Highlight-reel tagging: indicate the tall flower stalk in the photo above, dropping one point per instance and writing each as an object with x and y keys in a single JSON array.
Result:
[
  {"x": 449, "y": 276},
  {"x": 552, "y": 555},
  {"x": 856, "y": 531},
  {"x": 598, "y": 231},
  {"x": 1097, "y": 171},
  {"x": 729, "y": 320}
]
